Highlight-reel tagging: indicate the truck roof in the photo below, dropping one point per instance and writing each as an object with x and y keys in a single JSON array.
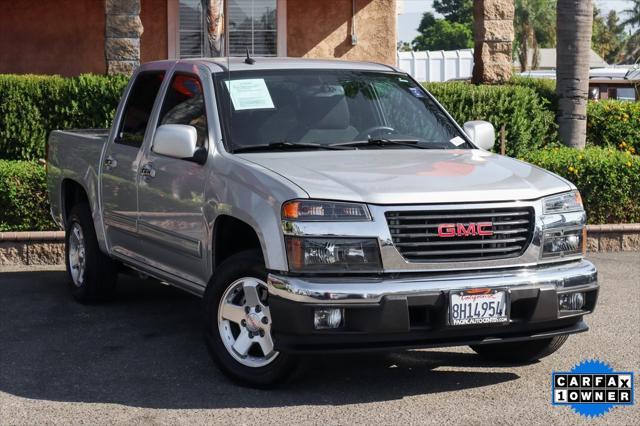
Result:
[{"x": 278, "y": 63}]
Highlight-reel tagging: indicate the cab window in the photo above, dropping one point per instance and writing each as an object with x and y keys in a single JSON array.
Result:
[
  {"x": 184, "y": 104},
  {"x": 138, "y": 108}
]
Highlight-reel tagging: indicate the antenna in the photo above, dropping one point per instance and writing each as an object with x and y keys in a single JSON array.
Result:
[{"x": 249, "y": 60}]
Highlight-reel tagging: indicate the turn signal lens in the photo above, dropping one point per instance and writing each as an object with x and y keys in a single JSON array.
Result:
[{"x": 311, "y": 210}]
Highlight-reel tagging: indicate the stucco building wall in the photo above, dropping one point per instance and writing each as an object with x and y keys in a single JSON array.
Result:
[
  {"x": 67, "y": 37},
  {"x": 322, "y": 29},
  {"x": 52, "y": 37},
  {"x": 153, "y": 44}
]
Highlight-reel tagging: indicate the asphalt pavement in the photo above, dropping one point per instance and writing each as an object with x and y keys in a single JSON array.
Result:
[{"x": 141, "y": 359}]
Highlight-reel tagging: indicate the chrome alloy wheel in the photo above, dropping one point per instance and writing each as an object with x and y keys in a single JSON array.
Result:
[
  {"x": 77, "y": 260},
  {"x": 244, "y": 322}
]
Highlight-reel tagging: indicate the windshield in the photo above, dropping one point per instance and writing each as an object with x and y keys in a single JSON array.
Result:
[{"x": 271, "y": 110}]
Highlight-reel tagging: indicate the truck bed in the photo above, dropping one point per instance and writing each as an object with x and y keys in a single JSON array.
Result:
[{"x": 74, "y": 154}]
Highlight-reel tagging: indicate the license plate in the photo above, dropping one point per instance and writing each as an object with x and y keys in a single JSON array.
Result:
[{"x": 478, "y": 306}]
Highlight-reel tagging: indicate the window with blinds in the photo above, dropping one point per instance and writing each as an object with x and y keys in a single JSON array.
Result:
[
  {"x": 192, "y": 29},
  {"x": 252, "y": 25}
]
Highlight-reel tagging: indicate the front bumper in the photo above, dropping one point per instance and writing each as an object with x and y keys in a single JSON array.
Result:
[{"x": 410, "y": 311}]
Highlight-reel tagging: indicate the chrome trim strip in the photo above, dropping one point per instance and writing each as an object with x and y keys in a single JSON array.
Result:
[
  {"x": 121, "y": 221},
  {"x": 358, "y": 290},
  {"x": 170, "y": 239}
]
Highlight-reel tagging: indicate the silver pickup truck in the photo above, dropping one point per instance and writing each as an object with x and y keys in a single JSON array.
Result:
[{"x": 320, "y": 206}]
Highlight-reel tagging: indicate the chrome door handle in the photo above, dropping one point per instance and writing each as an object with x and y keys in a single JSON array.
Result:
[
  {"x": 148, "y": 171},
  {"x": 110, "y": 163}
]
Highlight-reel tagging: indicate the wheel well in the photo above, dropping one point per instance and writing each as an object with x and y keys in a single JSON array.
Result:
[
  {"x": 72, "y": 194},
  {"x": 231, "y": 236}
]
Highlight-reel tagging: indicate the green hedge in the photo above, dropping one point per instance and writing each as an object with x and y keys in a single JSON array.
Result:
[
  {"x": 527, "y": 117},
  {"x": 608, "y": 180},
  {"x": 31, "y": 106},
  {"x": 23, "y": 197},
  {"x": 544, "y": 87},
  {"x": 615, "y": 124}
]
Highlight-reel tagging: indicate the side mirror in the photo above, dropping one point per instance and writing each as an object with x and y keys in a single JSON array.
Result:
[
  {"x": 176, "y": 141},
  {"x": 482, "y": 133}
]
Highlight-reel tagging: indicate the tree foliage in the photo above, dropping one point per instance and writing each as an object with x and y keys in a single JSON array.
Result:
[
  {"x": 608, "y": 36},
  {"x": 631, "y": 50},
  {"x": 535, "y": 27},
  {"x": 440, "y": 34},
  {"x": 460, "y": 11}
]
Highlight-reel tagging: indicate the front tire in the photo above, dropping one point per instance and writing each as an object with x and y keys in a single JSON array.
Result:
[
  {"x": 520, "y": 352},
  {"x": 92, "y": 275},
  {"x": 238, "y": 324}
]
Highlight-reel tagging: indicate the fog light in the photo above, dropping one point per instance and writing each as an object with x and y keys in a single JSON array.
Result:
[
  {"x": 571, "y": 301},
  {"x": 327, "y": 318}
]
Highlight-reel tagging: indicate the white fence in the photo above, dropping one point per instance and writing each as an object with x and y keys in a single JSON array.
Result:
[{"x": 437, "y": 65}]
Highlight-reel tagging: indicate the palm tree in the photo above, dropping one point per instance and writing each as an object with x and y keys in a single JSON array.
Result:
[
  {"x": 632, "y": 43},
  {"x": 574, "y": 23},
  {"x": 633, "y": 14},
  {"x": 535, "y": 27}
]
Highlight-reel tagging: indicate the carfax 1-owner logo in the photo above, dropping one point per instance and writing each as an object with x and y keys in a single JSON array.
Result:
[{"x": 592, "y": 388}]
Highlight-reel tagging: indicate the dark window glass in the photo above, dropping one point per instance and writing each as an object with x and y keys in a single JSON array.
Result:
[
  {"x": 184, "y": 104},
  {"x": 138, "y": 108},
  {"x": 330, "y": 107}
]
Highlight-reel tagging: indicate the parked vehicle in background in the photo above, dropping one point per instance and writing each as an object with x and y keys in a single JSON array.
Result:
[
  {"x": 320, "y": 206},
  {"x": 620, "y": 83}
]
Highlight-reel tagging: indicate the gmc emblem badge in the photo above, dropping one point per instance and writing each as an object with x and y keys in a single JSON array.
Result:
[{"x": 449, "y": 230}]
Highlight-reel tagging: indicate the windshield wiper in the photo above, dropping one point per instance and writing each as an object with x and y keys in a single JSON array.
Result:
[
  {"x": 275, "y": 146},
  {"x": 411, "y": 143}
]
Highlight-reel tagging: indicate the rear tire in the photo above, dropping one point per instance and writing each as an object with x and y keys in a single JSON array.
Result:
[
  {"x": 520, "y": 352},
  {"x": 238, "y": 324},
  {"x": 92, "y": 275}
]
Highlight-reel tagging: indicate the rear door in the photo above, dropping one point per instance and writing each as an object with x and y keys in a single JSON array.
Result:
[
  {"x": 172, "y": 225},
  {"x": 121, "y": 162}
]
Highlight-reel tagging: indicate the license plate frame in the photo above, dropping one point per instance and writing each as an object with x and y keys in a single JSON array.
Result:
[{"x": 476, "y": 297}]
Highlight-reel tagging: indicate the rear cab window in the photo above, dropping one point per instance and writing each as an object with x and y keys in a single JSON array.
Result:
[{"x": 137, "y": 110}]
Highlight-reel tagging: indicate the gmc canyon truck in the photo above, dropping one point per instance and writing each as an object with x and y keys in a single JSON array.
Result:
[{"x": 320, "y": 206}]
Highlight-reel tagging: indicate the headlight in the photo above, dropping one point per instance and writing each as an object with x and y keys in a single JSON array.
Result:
[
  {"x": 313, "y": 210},
  {"x": 563, "y": 203},
  {"x": 333, "y": 254},
  {"x": 564, "y": 242},
  {"x": 567, "y": 235}
]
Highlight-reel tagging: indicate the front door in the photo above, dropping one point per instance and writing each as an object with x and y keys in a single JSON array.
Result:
[
  {"x": 172, "y": 227},
  {"x": 121, "y": 162}
]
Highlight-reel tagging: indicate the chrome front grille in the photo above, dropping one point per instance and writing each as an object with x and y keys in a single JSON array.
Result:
[{"x": 415, "y": 233}]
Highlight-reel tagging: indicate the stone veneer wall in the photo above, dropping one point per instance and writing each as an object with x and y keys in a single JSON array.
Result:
[
  {"x": 493, "y": 21},
  {"x": 31, "y": 248},
  {"x": 123, "y": 30}
]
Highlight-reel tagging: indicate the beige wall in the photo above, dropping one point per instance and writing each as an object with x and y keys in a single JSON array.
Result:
[{"x": 322, "y": 29}]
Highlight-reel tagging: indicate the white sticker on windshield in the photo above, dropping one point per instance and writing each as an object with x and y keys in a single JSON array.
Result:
[
  {"x": 249, "y": 94},
  {"x": 457, "y": 141}
]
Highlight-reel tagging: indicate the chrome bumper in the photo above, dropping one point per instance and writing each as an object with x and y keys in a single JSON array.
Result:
[{"x": 358, "y": 290}]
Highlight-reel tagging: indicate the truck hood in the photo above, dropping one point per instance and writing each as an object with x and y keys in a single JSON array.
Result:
[{"x": 411, "y": 176}]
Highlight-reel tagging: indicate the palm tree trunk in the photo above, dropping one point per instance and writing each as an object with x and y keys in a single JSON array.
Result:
[{"x": 574, "y": 21}]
